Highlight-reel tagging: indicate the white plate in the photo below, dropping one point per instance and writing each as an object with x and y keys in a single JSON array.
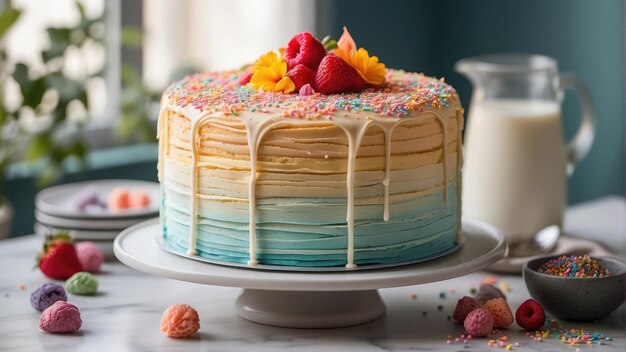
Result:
[
  {"x": 85, "y": 235},
  {"x": 88, "y": 224},
  {"x": 138, "y": 247},
  {"x": 59, "y": 200}
]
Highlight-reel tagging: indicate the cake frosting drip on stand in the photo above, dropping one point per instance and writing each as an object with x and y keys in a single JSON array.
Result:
[{"x": 389, "y": 157}]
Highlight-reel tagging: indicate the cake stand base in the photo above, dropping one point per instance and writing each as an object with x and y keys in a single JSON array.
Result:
[
  {"x": 310, "y": 309},
  {"x": 309, "y": 299}
]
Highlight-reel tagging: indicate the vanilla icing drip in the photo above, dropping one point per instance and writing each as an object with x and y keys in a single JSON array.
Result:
[
  {"x": 196, "y": 125},
  {"x": 258, "y": 125},
  {"x": 444, "y": 126},
  {"x": 354, "y": 129},
  {"x": 387, "y": 128}
]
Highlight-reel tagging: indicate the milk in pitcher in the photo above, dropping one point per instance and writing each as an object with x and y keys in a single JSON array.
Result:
[{"x": 515, "y": 165}]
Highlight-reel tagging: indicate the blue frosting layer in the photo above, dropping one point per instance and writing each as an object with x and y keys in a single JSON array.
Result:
[{"x": 313, "y": 232}]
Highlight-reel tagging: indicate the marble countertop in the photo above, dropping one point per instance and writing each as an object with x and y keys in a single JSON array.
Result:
[{"x": 125, "y": 315}]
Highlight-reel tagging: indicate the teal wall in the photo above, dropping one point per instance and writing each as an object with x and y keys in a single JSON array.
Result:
[{"x": 586, "y": 37}]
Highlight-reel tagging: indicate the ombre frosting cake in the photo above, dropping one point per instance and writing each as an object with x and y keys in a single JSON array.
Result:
[{"x": 314, "y": 155}]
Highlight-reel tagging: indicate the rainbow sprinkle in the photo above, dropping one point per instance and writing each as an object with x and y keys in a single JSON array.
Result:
[
  {"x": 573, "y": 337},
  {"x": 574, "y": 266},
  {"x": 216, "y": 92},
  {"x": 501, "y": 342}
]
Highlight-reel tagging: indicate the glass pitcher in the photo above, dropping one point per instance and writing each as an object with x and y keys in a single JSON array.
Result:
[{"x": 516, "y": 161}]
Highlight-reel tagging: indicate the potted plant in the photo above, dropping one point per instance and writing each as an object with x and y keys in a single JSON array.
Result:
[{"x": 37, "y": 130}]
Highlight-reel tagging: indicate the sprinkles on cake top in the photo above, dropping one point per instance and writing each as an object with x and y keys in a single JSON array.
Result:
[
  {"x": 293, "y": 79},
  {"x": 403, "y": 92}
]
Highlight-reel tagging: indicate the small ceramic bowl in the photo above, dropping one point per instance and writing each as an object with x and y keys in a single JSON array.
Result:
[{"x": 572, "y": 298}]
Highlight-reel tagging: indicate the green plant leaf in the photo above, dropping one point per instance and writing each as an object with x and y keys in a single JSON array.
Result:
[
  {"x": 39, "y": 147},
  {"x": 131, "y": 37},
  {"x": 32, "y": 90},
  {"x": 58, "y": 114},
  {"x": 68, "y": 89},
  {"x": 60, "y": 34},
  {"x": 49, "y": 174},
  {"x": 130, "y": 77},
  {"x": 329, "y": 43},
  {"x": 20, "y": 75},
  {"x": 80, "y": 8},
  {"x": 37, "y": 90},
  {"x": 55, "y": 50},
  {"x": 77, "y": 149},
  {"x": 3, "y": 117},
  {"x": 148, "y": 130},
  {"x": 56, "y": 154},
  {"x": 126, "y": 125},
  {"x": 7, "y": 18},
  {"x": 83, "y": 97}
]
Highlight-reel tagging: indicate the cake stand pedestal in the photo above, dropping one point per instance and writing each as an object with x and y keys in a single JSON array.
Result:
[
  {"x": 309, "y": 309},
  {"x": 309, "y": 299}
]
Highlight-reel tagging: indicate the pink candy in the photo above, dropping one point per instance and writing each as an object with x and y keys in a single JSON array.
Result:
[
  {"x": 121, "y": 198},
  {"x": 306, "y": 90},
  {"x": 61, "y": 317},
  {"x": 90, "y": 256},
  {"x": 180, "y": 320},
  {"x": 478, "y": 322}
]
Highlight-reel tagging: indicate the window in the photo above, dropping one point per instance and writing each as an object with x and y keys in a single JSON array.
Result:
[{"x": 217, "y": 35}]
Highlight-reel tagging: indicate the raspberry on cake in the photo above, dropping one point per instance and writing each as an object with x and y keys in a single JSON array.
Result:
[{"x": 336, "y": 162}]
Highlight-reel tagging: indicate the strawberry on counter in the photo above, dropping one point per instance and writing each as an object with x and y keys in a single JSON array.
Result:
[{"x": 59, "y": 260}]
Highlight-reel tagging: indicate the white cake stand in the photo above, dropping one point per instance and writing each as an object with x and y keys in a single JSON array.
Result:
[{"x": 308, "y": 299}]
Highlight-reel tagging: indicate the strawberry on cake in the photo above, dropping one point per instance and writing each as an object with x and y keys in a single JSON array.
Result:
[{"x": 314, "y": 155}]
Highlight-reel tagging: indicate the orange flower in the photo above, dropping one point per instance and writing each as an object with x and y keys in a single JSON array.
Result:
[
  {"x": 372, "y": 71},
  {"x": 346, "y": 46}
]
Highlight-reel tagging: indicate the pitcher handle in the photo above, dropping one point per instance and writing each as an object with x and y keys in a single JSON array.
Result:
[{"x": 579, "y": 146}]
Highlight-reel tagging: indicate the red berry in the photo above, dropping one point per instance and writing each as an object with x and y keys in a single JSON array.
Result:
[
  {"x": 335, "y": 76},
  {"x": 530, "y": 315},
  {"x": 304, "y": 49},
  {"x": 301, "y": 75},
  {"x": 59, "y": 259},
  {"x": 244, "y": 78},
  {"x": 464, "y": 306}
]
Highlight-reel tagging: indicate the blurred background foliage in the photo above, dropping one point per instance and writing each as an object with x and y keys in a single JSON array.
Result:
[
  {"x": 7, "y": 18},
  {"x": 42, "y": 130}
]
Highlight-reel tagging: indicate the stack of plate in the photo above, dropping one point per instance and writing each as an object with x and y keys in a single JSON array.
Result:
[{"x": 56, "y": 210}]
